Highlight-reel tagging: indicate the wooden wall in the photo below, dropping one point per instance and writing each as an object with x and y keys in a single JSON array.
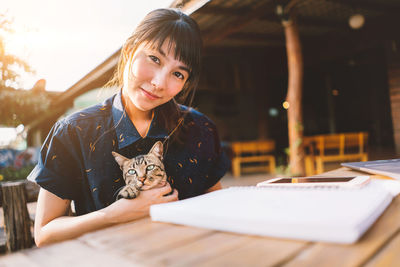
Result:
[{"x": 238, "y": 88}]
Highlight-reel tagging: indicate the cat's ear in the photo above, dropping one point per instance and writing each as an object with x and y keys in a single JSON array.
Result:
[
  {"x": 157, "y": 150},
  {"x": 119, "y": 158}
]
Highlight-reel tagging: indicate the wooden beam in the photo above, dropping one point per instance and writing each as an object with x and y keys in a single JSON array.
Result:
[
  {"x": 96, "y": 78},
  {"x": 218, "y": 10},
  {"x": 309, "y": 21},
  {"x": 257, "y": 10},
  {"x": 260, "y": 37},
  {"x": 251, "y": 40},
  {"x": 323, "y": 23},
  {"x": 380, "y": 5},
  {"x": 189, "y": 6},
  {"x": 346, "y": 43}
]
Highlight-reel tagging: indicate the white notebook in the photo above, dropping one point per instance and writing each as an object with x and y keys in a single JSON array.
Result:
[{"x": 323, "y": 214}]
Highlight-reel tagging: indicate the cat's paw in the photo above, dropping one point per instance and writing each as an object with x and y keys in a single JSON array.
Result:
[{"x": 128, "y": 192}]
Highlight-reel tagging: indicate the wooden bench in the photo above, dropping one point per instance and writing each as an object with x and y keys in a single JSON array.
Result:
[
  {"x": 253, "y": 156},
  {"x": 339, "y": 147}
]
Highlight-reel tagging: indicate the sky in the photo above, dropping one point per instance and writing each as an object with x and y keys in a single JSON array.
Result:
[{"x": 64, "y": 40}]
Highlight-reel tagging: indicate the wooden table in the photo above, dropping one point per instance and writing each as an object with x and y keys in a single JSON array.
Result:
[{"x": 146, "y": 243}]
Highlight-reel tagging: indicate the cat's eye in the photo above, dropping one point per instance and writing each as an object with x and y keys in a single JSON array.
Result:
[
  {"x": 131, "y": 172},
  {"x": 150, "y": 167}
]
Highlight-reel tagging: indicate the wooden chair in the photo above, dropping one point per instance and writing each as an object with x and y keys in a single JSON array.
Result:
[
  {"x": 253, "y": 156},
  {"x": 340, "y": 147}
]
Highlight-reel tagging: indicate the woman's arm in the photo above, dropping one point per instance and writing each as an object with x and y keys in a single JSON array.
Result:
[
  {"x": 52, "y": 224},
  {"x": 215, "y": 187}
]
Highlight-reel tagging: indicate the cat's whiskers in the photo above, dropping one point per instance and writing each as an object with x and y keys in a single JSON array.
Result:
[{"x": 116, "y": 192}]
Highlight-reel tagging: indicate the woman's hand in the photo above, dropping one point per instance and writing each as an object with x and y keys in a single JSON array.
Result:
[{"x": 125, "y": 210}]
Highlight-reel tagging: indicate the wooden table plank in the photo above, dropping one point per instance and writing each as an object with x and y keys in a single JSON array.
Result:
[
  {"x": 388, "y": 256},
  {"x": 114, "y": 236},
  {"x": 325, "y": 254},
  {"x": 198, "y": 250},
  {"x": 259, "y": 251},
  {"x": 68, "y": 253},
  {"x": 17, "y": 259},
  {"x": 143, "y": 238},
  {"x": 343, "y": 172}
]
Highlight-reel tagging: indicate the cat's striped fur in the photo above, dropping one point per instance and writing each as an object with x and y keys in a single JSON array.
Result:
[{"x": 142, "y": 172}]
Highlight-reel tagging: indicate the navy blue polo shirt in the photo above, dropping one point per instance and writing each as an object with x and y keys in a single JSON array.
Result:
[{"x": 76, "y": 162}]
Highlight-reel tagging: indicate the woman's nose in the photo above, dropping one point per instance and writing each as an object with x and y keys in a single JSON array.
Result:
[{"x": 159, "y": 79}]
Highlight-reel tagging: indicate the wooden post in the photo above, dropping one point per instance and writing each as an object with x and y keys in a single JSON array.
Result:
[
  {"x": 16, "y": 217},
  {"x": 294, "y": 95},
  {"x": 393, "y": 61}
]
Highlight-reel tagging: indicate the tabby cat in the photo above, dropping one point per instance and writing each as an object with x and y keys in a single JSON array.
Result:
[{"x": 142, "y": 172}]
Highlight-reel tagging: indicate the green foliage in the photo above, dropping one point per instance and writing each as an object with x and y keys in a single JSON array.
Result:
[
  {"x": 287, "y": 151},
  {"x": 21, "y": 106},
  {"x": 283, "y": 170},
  {"x": 12, "y": 174},
  {"x": 299, "y": 126},
  {"x": 298, "y": 142},
  {"x": 17, "y": 106}
]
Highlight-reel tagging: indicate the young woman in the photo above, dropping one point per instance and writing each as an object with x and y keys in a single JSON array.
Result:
[{"x": 158, "y": 63}]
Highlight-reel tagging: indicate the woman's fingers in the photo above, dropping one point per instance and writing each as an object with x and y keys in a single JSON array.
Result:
[
  {"x": 160, "y": 194},
  {"x": 171, "y": 197},
  {"x": 165, "y": 189}
]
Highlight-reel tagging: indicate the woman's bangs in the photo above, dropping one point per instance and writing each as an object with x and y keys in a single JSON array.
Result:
[{"x": 183, "y": 39}]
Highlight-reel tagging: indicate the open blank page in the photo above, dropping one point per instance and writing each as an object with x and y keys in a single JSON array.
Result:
[{"x": 322, "y": 214}]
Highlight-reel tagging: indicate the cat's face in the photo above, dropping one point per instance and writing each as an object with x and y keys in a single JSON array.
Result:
[{"x": 144, "y": 171}]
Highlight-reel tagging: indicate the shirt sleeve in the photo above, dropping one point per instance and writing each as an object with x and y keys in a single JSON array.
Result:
[
  {"x": 220, "y": 162},
  {"x": 58, "y": 169}
]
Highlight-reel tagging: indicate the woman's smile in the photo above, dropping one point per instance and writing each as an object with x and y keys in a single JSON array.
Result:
[{"x": 149, "y": 95}]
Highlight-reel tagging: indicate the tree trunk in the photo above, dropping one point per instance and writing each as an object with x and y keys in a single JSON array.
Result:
[
  {"x": 294, "y": 97},
  {"x": 16, "y": 217}
]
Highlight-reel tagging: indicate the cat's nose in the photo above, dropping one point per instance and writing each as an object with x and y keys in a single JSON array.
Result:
[{"x": 141, "y": 179}]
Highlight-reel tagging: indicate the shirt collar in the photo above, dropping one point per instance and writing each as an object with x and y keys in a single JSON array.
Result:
[{"x": 126, "y": 131}]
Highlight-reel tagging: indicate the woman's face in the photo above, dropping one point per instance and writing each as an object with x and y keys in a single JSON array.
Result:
[{"x": 152, "y": 77}]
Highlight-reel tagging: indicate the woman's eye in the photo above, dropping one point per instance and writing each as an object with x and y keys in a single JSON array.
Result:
[
  {"x": 150, "y": 167},
  {"x": 179, "y": 75},
  {"x": 155, "y": 59},
  {"x": 131, "y": 172},
  {"x": 151, "y": 179}
]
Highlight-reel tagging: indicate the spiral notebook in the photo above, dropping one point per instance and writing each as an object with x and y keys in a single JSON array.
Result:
[{"x": 316, "y": 214}]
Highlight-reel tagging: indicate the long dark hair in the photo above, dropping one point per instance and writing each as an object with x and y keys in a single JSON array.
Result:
[{"x": 181, "y": 31}]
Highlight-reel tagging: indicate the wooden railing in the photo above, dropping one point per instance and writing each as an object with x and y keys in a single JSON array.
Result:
[
  {"x": 253, "y": 156},
  {"x": 339, "y": 147}
]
